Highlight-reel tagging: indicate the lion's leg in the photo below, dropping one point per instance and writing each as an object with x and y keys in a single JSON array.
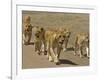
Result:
[
  {"x": 49, "y": 51},
  {"x": 76, "y": 48},
  {"x": 80, "y": 52},
  {"x": 29, "y": 37},
  {"x": 87, "y": 51},
  {"x": 65, "y": 44},
  {"x": 42, "y": 47},
  {"x": 38, "y": 47},
  {"x": 35, "y": 45},
  {"x": 57, "y": 55},
  {"x": 58, "y": 51},
  {"x": 54, "y": 56},
  {"x": 45, "y": 46},
  {"x": 23, "y": 38},
  {"x": 50, "y": 56}
]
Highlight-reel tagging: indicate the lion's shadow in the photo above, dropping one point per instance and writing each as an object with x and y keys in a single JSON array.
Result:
[
  {"x": 70, "y": 49},
  {"x": 31, "y": 43},
  {"x": 65, "y": 61}
]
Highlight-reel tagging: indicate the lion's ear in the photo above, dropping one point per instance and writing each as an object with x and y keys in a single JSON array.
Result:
[
  {"x": 42, "y": 29},
  {"x": 69, "y": 33},
  {"x": 57, "y": 36}
]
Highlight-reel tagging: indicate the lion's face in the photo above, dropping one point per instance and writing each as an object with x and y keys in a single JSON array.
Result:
[
  {"x": 66, "y": 32},
  {"x": 39, "y": 32},
  {"x": 60, "y": 38},
  {"x": 86, "y": 40}
]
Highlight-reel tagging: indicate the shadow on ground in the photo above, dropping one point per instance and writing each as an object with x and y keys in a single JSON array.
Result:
[
  {"x": 64, "y": 61},
  {"x": 70, "y": 49},
  {"x": 31, "y": 43}
]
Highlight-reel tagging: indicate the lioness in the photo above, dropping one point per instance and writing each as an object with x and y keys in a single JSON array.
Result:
[
  {"x": 67, "y": 33},
  {"x": 27, "y": 30},
  {"x": 39, "y": 39},
  {"x": 54, "y": 40},
  {"x": 82, "y": 42}
]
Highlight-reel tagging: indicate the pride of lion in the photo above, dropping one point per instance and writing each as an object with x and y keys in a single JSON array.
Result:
[{"x": 52, "y": 41}]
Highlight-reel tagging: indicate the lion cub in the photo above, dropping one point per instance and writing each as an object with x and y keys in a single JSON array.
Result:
[{"x": 39, "y": 39}]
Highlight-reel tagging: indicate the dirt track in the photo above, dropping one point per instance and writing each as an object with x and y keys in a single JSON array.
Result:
[{"x": 76, "y": 22}]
